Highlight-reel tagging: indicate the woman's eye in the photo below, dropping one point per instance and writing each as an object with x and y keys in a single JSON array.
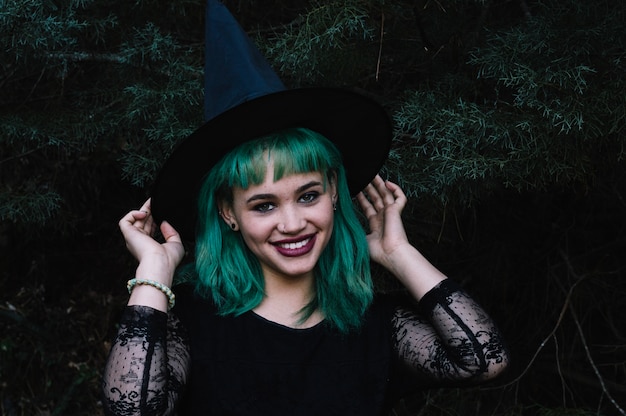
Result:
[
  {"x": 309, "y": 197},
  {"x": 264, "y": 207}
]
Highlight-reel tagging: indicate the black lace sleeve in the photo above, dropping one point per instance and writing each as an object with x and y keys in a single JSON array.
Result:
[
  {"x": 450, "y": 338},
  {"x": 148, "y": 364}
]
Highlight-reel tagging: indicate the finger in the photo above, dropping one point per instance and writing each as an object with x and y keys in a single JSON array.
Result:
[
  {"x": 366, "y": 205},
  {"x": 386, "y": 193},
  {"x": 399, "y": 197},
  {"x": 375, "y": 193},
  {"x": 147, "y": 207},
  {"x": 172, "y": 240},
  {"x": 373, "y": 199},
  {"x": 146, "y": 222},
  {"x": 138, "y": 219},
  {"x": 149, "y": 224},
  {"x": 141, "y": 220},
  {"x": 169, "y": 233},
  {"x": 132, "y": 217}
]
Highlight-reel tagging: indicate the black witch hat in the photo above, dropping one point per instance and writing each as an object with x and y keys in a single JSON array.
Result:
[{"x": 245, "y": 99}]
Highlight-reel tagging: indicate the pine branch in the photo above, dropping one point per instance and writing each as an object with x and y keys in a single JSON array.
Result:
[{"x": 77, "y": 57}]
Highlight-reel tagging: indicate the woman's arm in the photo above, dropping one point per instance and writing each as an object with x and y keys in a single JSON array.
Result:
[
  {"x": 382, "y": 203},
  {"x": 451, "y": 337},
  {"x": 147, "y": 366},
  {"x": 148, "y": 362}
]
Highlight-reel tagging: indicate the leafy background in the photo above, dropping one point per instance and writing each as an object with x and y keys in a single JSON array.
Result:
[{"x": 509, "y": 138}]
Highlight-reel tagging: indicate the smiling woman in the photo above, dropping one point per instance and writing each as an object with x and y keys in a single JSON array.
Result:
[
  {"x": 278, "y": 315},
  {"x": 281, "y": 317}
]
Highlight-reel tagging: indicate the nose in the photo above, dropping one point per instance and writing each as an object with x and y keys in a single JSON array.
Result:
[{"x": 291, "y": 221}]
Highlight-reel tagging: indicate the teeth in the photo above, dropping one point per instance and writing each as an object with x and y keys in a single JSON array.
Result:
[{"x": 293, "y": 246}]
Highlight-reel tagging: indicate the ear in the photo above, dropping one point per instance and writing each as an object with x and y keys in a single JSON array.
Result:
[
  {"x": 332, "y": 188},
  {"x": 227, "y": 214}
]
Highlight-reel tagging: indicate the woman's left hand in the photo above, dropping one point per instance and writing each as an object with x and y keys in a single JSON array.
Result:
[{"x": 382, "y": 203}]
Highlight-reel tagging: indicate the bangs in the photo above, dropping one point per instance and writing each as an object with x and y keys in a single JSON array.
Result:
[{"x": 291, "y": 151}]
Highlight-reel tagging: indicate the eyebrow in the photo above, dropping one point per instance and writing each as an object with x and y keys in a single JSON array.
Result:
[{"x": 300, "y": 189}]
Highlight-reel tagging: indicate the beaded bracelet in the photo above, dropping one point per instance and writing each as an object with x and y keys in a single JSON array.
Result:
[{"x": 166, "y": 290}]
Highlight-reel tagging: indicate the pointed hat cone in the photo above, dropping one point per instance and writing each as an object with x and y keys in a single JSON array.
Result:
[{"x": 235, "y": 71}]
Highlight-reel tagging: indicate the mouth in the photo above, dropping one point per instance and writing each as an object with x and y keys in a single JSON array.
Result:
[{"x": 295, "y": 248}]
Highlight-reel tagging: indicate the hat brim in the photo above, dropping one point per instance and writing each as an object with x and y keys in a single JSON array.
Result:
[{"x": 356, "y": 124}]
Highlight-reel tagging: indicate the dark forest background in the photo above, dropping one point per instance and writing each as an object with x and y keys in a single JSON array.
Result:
[{"x": 510, "y": 140}]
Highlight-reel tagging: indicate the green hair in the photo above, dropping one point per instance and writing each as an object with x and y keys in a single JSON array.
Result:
[{"x": 230, "y": 273}]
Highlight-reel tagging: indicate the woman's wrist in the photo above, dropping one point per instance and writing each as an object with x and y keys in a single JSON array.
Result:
[
  {"x": 165, "y": 290},
  {"x": 146, "y": 295},
  {"x": 150, "y": 288},
  {"x": 415, "y": 272}
]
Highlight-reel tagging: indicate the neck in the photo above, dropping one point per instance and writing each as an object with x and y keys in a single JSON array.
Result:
[{"x": 284, "y": 299}]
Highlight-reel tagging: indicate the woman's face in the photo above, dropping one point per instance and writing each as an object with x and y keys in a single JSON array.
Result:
[{"x": 287, "y": 223}]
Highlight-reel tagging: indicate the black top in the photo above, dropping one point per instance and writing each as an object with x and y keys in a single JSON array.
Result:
[{"x": 247, "y": 365}]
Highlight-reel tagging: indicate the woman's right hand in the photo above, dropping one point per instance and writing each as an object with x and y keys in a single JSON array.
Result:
[{"x": 157, "y": 261}]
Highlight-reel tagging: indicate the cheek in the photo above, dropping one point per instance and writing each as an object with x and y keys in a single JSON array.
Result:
[
  {"x": 327, "y": 223},
  {"x": 254, "y": 232},
  {"x": 253, "y": 242}
]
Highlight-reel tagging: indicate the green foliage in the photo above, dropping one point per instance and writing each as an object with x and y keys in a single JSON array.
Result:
[
  {"x": 317, "y": 44},
  {"x": 567, "y": 79},
  {"x": 544, "y": 110},
  {"x": 82, "y": 90},
  {"x": 29, "y": 207}
]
